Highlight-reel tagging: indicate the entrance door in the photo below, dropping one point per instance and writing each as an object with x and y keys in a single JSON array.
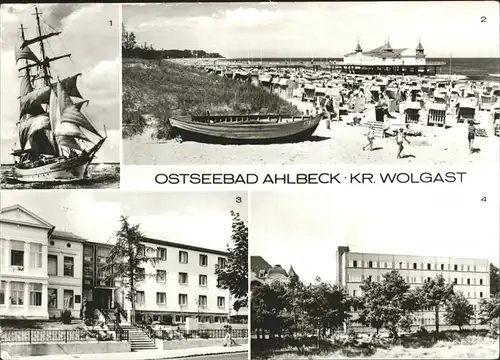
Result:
[{"x": 102, "y": 298}]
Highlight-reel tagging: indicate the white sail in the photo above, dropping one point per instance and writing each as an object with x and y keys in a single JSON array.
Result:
[
  {"x": 69, "y": 142},
  {"x": 71, "y": 130},
  {"x": 71, "y": 114},
  {"x": 40, "y": 122}
]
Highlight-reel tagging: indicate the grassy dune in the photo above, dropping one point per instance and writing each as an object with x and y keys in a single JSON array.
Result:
[{"x": 165, "y": 89}]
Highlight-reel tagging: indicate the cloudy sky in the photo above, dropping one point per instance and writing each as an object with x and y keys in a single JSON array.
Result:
[
  {"x": 197, "y": 218},
  {"x": 91, "y": 33},
  {"x": 318, "y": 29},
  {"x": 305, "y": 229}
]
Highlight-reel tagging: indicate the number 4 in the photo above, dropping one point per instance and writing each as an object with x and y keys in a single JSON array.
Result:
[{"x": 484, "y": 199}]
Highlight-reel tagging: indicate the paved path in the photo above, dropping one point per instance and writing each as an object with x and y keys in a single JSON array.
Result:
[{"x": 202, "y": 352}]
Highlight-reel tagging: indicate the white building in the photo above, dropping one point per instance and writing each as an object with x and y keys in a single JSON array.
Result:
[
  {"x": 40, "y": 267},
  {"x": 181, "y": 284}
]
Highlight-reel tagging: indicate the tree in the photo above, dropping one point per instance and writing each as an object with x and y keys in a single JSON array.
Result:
[
  {"x": 326, "y": 307},
  {"x": 489, "y": 309},
  {"x": 435, "y": 293},
  {"x": 459, "y": 311},
  {"x": 233, "y": 276},
  {"x": 389, "y": 304},
  {"x": 126, "y": 258},
  {"x": 494, "y": 280},
  {"x": 128, "y": 40}
]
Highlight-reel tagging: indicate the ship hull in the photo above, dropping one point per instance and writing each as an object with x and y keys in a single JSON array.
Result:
[
  {"x": 61, "y": 170},
  {"x": 64, "y": 170},
  {"x": 246, "y": 133}
]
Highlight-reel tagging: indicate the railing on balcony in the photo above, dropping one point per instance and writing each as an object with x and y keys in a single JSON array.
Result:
[
  {"x": 17, "y": 268},
  {"x": 38, "y": 336}
]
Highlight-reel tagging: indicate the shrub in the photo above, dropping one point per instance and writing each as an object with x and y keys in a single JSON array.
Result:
[
  {"x": 204, "y": 335},
  {"x": 66, "y": 317}
]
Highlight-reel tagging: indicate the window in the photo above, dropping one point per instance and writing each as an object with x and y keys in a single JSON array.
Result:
[
  {"x": 428, "y": 266},
  {"x": 354, "y": 293},
  {"x": 52, "y": 298},
  {"x": 221, "y": 262},
  {"x": 455, "y": 280},
  {"x": 140, "y": 297},
  {"x": 468, "y": 281},
  {"x": 2, "y": 292},
  {"x": 221, "y": 301},
  {"x": 183, "y": 299},
  {"x": 468, "y": 267},
  {"x": 141, "y": 250},
  {"x": 480, "y": 294},
  {"x": 36, "y": 255},
  {"x": 68, "y": 299},
  {"x": 161, "y": 253},
  {"x": 35, "y": 294},
  {"x": 88, "y": 251},
  {"x": 16, "y": 293},
  {"x": 203, "y": 260},
  {"x": 17, "y": 255},
  {"x": 161, "y": 276},
  {"x": 461, "y": 268},
  {"x": 203, "y": 280},
  {"x": 141, "y": 274},
  {"x": 400, "y": 265},
  {"x": 480, "y": 281},
  {"x": 69, "y": 266},
  {"x": 429, "y": 278},
  {"x": 161, "y": 298},
  {"x": 354, "y": 263},
  {"x": 455, "y": 267},
  {"x": 414, "y": 265},
  {"x": 52, "y": 265},
  {"x": 183, "y": 278},
  {"x": 219, "y": 283},
  {"x": 183, "y": 257},
  {"x": 442, "y": 266},
  {"x": 87, "y": 271},
  {"x": 385, "y": 264},
  {"x": 370, "y": 264},
  {"x": 369, "y": 278},
  {"x": 202, "y": 300}
]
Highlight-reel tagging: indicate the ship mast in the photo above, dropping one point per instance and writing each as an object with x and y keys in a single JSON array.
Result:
[{"x": 45, "y": 65}]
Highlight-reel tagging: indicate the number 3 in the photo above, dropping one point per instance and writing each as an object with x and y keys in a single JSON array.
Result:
[{"x": 238, "y": 200}]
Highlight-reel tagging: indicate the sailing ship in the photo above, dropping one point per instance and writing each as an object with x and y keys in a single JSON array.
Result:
[{"x": 54, "y": 143}]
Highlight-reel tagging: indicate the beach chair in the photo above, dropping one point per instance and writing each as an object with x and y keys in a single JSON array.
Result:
[
  {"x": 436, "y": 114},
  {"x": 466, "y": 111},
  {"x": 412, "y": 112}
]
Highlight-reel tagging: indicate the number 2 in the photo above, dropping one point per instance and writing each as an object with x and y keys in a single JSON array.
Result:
[{"x": 483, "y": 19}]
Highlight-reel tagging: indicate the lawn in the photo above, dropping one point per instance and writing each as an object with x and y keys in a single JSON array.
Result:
[{"x": 451, "y": 345}]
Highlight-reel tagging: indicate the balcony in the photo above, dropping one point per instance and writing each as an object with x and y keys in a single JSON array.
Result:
[{"x": 17, "y": 268}]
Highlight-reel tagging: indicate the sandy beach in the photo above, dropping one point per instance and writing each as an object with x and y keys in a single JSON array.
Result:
[{"x": 342, "y": 144}]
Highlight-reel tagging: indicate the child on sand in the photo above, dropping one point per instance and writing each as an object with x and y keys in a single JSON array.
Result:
[
  {"x": 400, "y": 136},
  {"x": 370, "y": 136}
]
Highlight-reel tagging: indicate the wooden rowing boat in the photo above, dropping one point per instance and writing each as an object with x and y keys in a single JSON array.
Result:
[{"x": 245, "y": 129}]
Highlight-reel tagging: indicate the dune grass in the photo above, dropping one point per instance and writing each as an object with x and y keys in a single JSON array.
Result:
[{"x": 164, "y": 89}]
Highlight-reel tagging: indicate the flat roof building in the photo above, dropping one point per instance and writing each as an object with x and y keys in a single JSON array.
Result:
[{"x": 471, "y": 276}]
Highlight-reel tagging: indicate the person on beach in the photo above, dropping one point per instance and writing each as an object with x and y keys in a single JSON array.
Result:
[
  {"x": 329, "y": 110},
  {"x": 370, "y": 136},
  {"x": 471, "y": 135},
  {"x": 400, "y": 137}
]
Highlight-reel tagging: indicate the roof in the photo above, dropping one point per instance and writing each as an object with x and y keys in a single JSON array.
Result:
[
  {"x": 44, "y": 223},
  {"x": 258, "y": 263},
  {"x": 66, "y": 235},
  {"x": 277, "y": 269}
]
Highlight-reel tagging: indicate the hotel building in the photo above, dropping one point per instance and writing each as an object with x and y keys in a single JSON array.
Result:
[
  {"x": 386, "y": 60},
  {"x": 263, "y": 273},
  {"x": 45, "y": 271},
  {"x": 471, "y": 276},
  {"x": 40, "y": 267}
]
